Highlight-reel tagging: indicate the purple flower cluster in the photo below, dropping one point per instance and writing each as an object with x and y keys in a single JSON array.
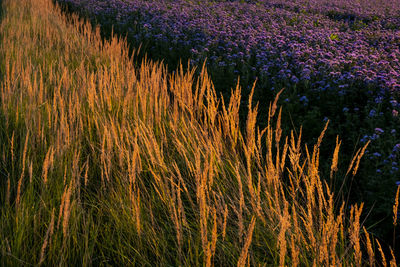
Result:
[
  {"x": 342, "y": 9},
  {"x": 324, "y": 44}
]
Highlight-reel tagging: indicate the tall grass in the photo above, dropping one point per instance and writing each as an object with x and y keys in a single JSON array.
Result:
[{"x": 104, "y": 162}]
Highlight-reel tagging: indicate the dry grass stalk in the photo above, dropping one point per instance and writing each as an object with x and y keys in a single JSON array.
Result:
[
  {"x": 204, "y": 212},
  {"x": 66, "y": 204},
  {"x": 284, "y": 222},
  {"x": 357, "y": 158},
  {"x": 48, "y": 162},
  {"x": 355, "y": 213},
  {"x": 321, "y": 136},
  {"x": 8, "y": 191},
  {"x": 294, "y": 252},
  {"x": 181, "y": 210},
  {"x": 176, "y": 217},
  {"x": 30, "y": 172},
  {"x": 245, "y": 248},
  {"x": 250, "y": 127},
  {"x": 225, "y": 221},
  {"x": 384, "y": 263},
  {"x": 214, "y": 234},
  {"x": 335, "y": 226},
  {"x": 61, "y": 207},
  {"x": 85, "y": 177},
  {"x": 241, "y": 205},
  {"x": 335, "y": 159},
  {"x": 371, "y": 254},
  {"x": 396, "y": 206},
  {"x": 135, "y": 200},
  {"x": 274, "y": 104},
  {"x": 18, "y": 198},
  {"x": 12, "y": 147},
  {"x": 393, "y": 260},
  {"x": 24, "y": 153},
  {"x": 49, "y": 233}
]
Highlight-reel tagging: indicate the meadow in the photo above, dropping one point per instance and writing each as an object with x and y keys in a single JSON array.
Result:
[
  {"x": 110, "y": 158},
  {"x": 337, "y": 60}
]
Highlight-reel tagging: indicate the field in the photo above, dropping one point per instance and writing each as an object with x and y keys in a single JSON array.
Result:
[
  {"x": 337, "y": 61},
  {"x": 109, "y": 157}
]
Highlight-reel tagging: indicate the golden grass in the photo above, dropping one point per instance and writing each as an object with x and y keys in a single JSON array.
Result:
[
  {"x": 156, "y": 157},
  {"x": 396, "y": 206},
  {"x": 370, "y": 251}
]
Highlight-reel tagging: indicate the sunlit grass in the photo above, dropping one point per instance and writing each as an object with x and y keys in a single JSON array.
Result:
[{"x": 104, "y": 162}]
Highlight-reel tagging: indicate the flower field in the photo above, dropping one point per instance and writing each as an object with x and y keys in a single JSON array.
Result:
[
  {"x": 108, "y": 158},
  {"x": 314, "y": 43},
  {"x": 337, "y": 60}
]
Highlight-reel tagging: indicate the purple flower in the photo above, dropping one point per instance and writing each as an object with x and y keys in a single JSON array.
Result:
[
  {"x": 222, "y": 64},
  {"x": 372, "y": 113},
  {"x": 396, "y": 148},
  {"x": 374, "y": 137},
  {"x": 303, "y": 99},
  {"x": 378, "y": 100},
  {"x": 364, "y": 139},
  {"x": 376, "y": 154},
  {"x": 294, "y": 79}
]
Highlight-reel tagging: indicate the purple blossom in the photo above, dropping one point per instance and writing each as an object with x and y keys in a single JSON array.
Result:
[
  {"x": 364, "y": 139},
  {"x": 304, "y": 100},
  {"x": 396, "y": 148},
  {"x": 372, "y": 113},
  {"x": 376, "y": 154},
  {"x": 294, "y": 79},
  {"x": 374, "y": 136}
]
